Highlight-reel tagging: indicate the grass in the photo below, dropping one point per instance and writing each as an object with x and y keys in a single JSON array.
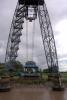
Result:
[
  {"x": 64, "y": 77},
  {"x": 28, "y": 81}
]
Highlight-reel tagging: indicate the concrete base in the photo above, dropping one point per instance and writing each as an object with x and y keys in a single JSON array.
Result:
[
  {"x": 58, "y": 88},
  {"x": 6, "y": 89}
]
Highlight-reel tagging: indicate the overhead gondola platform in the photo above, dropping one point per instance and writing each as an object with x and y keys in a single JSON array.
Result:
[{"x": 31, "y": 2}]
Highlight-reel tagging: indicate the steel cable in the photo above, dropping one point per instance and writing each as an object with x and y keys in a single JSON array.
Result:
[
  {"x": 26, "y": 40},
  {"x": 33, "y": 39}
]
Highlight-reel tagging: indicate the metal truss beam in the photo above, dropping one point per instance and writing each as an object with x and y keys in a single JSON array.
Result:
[
  {"x": 15, "y": 33},
  {"x": 48, "y": 38}
]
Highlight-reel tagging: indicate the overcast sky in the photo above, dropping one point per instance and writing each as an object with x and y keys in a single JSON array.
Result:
[{"x": 58, "y": 14}]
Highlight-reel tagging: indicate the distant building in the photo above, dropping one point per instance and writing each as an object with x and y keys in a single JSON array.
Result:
[{"x": 31, "y": 70}]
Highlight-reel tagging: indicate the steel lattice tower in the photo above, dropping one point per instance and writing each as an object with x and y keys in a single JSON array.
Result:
[{"x": 21, "y": 12}]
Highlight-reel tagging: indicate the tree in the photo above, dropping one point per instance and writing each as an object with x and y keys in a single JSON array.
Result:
[{"x": 45, "y": 70}]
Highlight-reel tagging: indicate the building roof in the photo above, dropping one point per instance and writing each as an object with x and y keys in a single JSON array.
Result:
[{"x": 31, "y": 64}]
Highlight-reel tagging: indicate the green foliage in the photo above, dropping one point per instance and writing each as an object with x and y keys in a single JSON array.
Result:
[
  {"x": 45, "y": 70},
  {"x": 18, "y": 66},
  {"x": 64, "y": 76},
  {"x": 2, "y": 71}
]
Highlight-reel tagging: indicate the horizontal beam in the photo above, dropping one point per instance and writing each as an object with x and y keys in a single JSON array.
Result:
[{"x": 31, "y": 2}]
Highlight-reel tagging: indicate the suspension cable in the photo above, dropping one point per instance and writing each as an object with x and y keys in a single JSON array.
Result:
[
  {"x": 33, "y": 39},
  {"x": 26, "y": 40}
]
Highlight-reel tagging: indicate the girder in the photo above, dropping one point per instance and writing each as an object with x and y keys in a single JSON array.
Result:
[
  {"x": 48, "y": 38},
  {"x": 31, "y": 2},
  {"x": 15, "y": 33}
]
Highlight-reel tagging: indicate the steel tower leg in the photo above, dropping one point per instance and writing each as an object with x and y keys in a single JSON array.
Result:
[
  {"x": 49, "y": 46},
  {"x": 15, "y": 33}
]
